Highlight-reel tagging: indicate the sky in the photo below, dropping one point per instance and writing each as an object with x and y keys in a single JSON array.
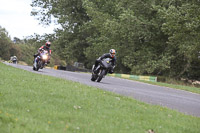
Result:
[{"x": 16, "y": 19}]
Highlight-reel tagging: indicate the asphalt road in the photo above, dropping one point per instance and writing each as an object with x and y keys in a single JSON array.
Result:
[{"x": 182, "y": 101}]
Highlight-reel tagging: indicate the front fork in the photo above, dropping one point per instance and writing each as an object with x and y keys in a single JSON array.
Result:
[
  {"x": 95, "y": 70},
  {"x": 35, "y": 62}
]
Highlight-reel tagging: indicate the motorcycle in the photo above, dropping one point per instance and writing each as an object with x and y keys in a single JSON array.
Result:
[
  {"x": 41, "y": 60},
  {"x": 102, "y": 69},
  {"x": 14, "y": 61}
]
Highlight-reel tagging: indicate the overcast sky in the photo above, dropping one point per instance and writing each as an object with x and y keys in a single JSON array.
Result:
[{"x": 16, "y": 19}]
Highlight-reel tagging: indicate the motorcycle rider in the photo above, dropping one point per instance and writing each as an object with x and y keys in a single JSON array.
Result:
[
  {"x": 110, "y": 55},
  {"x": 44, "y": 47},
  {"x": 14, "y": 59}
]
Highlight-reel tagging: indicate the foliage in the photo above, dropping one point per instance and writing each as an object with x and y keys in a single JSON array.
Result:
[
  {"x": 8, "y": 48},
  {"x": 27, "y": 52},
  {"x": 152, "y": 37},
  {"x": 181, "y": 25},
  {"x": 5, "y": 44}
]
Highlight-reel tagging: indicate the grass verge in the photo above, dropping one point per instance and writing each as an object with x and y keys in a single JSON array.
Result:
[
  {"x": 37, "y": 103},
  {"x": 175, "y": 86},
  {"x": 181, "y": 87}
]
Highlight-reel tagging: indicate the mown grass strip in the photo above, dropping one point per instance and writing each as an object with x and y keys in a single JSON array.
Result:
[
  {"x": 37, "y": 103},
  {"x": 180, "y": 87},
  {"x": 152, "y": 81}
]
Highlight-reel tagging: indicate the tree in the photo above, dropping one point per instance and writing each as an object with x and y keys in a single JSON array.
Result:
[
  {"x": 158, "y": 37},
  {"x": 5, "y": 44},
  {"x": 181, "y": 24},
  {"x": 70, "y": 15}
]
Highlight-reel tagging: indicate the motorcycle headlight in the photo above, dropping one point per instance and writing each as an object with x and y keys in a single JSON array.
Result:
[{"x": 44, "y": 57}]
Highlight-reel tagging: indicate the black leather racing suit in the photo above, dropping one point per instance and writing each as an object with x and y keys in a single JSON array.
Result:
[{"x": 107, "y": 55}]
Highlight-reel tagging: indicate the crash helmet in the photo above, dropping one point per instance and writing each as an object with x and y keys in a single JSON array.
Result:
[
  {"x": 48, "y": 44},
  {"x": 112, "y": 52}
]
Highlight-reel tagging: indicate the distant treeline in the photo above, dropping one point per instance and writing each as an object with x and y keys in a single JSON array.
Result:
[
  {"x": 151, "y": 37},
  {"x": 24, "y": 49}
]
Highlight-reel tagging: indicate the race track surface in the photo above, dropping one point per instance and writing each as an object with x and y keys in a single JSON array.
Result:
[{"x": 182, "y": 101}]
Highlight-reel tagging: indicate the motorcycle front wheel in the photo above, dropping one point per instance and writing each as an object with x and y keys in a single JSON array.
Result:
[
  {"x": 38, "y": 65},
  {"x": 33, "y": 68},
  {"x": 103, "y": 72}
]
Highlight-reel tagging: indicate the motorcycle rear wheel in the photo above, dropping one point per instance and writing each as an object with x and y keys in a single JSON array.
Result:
[
  {"x": 94, "y": 77},
  {"x": 37, "y": 69}
]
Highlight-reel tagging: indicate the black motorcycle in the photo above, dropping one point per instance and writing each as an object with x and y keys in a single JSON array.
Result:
[
  {"x": 42, "y": 60},
  {"x": 102, "y": 69},
  {"x": 14, "y": 61}
]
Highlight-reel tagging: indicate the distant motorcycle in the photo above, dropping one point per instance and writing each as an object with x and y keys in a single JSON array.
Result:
[
  {"x": 102, "y": 69},
  {"x": 42, "y": 60},
  {"x": 13, "y": 59}
]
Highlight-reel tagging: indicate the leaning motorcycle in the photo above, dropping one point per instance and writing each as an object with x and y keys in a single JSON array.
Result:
[
  {"x": 42, "y": 60},
  {"x": 102, "y": 69},
  {"x": 14, "y": 61}
]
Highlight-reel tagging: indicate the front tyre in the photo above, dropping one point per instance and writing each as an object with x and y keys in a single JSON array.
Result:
[
  {"x": 34, "y": 68},
  {"x": 103, "y": 72},
  {"x": 38, "y": 65}
]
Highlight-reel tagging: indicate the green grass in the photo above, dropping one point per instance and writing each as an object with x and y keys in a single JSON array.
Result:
[
  {"x": 36, "y": 103},
  {"x": 175, "y": 86}
]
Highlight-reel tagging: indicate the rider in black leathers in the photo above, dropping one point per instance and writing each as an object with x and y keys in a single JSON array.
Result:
[{"x": 110, "y": 55}]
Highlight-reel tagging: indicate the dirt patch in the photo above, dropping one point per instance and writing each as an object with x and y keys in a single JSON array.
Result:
[{"x": 22, "y": 63}]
